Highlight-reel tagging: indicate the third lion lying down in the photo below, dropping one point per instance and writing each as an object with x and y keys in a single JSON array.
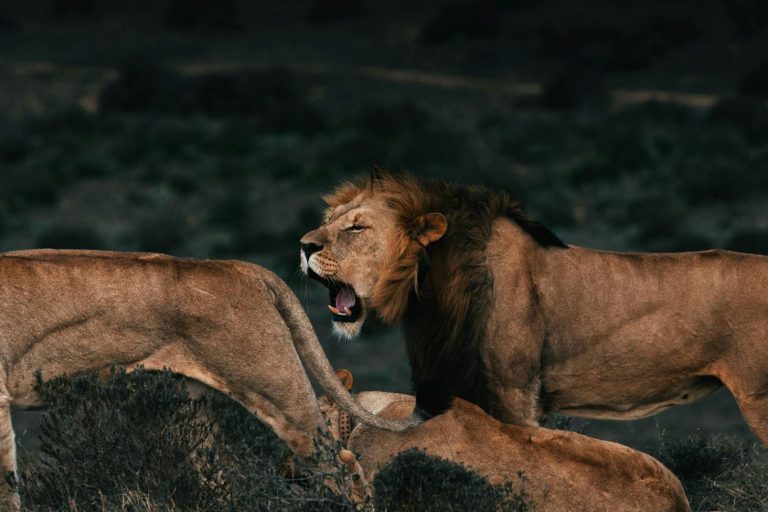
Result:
[{"x": 564, "y": 471}]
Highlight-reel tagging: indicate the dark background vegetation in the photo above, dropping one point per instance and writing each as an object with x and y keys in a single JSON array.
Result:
[{"x": 210, "y": 129}]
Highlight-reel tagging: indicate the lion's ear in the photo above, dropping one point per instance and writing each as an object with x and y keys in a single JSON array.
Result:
[
  {"x": 345, "y": 376},
  {"x": 430, "y": 228}
]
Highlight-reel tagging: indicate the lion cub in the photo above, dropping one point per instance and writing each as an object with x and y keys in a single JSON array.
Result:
[{"x": 564, "y": 471}]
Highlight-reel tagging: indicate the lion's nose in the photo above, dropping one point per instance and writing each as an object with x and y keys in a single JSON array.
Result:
[{"x": 309, "y": 249}]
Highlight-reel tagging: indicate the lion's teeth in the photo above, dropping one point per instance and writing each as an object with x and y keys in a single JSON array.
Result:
[{"x": 336, "y": 311}]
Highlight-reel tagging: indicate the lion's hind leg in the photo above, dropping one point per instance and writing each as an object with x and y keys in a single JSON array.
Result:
[
  {"x": 9, "y": 499},
  {"x": 754, "y": 408},
  {"x": 750, "y": 390}
]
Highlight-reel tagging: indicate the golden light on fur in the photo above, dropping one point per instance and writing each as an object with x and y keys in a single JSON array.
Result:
[
  {"x": 231, "y": 325},
  {"x": 563, "y": 471},
  {"x": 497, "y": 310}
]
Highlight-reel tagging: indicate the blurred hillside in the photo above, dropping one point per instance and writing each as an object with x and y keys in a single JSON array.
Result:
[{"x": 210, "y": 129}]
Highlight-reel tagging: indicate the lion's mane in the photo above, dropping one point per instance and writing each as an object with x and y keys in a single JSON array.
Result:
[{"x": 441, "y": 291}]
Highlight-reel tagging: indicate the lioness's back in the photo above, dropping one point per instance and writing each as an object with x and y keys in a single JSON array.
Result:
[
  {"x": 563, "y": 470},
  {"x": 62, "y": 307},
  {"x": 97, "y": 269}
]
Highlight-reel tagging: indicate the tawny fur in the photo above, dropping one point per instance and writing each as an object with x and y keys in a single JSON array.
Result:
[
  {"x": 563, "y": 471},
  {"x": 233, "y": 326},
  {"x": 500, "y": 312}
]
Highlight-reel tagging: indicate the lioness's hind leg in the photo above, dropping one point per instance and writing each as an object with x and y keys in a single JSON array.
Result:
[
  {"x": 9, "y": 500},
  {"x": 284, "y": 402},
  {"x": 294, "y": 426}
]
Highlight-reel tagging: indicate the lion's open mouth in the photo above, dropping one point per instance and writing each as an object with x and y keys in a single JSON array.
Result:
[{"x": 343, "y": 302}]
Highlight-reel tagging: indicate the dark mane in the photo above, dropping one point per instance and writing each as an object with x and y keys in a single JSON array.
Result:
[{"x": 442, "y": 292}]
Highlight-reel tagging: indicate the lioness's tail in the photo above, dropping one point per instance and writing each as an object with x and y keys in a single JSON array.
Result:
[{"x": 313, "y": 356}]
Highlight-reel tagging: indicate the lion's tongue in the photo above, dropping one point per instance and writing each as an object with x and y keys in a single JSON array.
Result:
[{"x": 345, "y": 299}]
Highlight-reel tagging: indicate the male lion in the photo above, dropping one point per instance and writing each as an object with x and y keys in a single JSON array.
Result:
[
  {"x": 231, "y": 325},
  {"x": 498, "y": 311},
  {"x": 564, "y": 471}
]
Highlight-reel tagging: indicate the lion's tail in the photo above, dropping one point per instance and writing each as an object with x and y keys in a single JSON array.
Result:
[{"x": 313, "y": 356}]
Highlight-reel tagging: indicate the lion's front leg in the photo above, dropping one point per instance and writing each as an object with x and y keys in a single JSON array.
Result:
[
  {"x": 512, "y": 357},
  {"x": 518, "y": 405},
  {"x": 514, "y": 383}
]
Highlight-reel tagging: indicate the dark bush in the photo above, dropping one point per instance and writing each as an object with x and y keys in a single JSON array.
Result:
[
  {"x": 474, "y": 20},
  {"x": 126, "y": 433},
  {"x": 718, "y": 473},
  {"x": 414, "y": 481},
  {"x": 260, "y": 473},
  {"x": 332, "y": 10},
  {"x": 129, "y": 441}
]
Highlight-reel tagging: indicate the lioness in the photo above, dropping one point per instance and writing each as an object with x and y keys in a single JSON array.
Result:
[
  {"x": 231, "y": 325},
  {"x": 498, "y": 311},
  {"x": 564, "y": 471}
]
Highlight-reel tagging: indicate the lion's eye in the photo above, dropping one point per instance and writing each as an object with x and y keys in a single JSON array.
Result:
[{"x": 355, "y": 228}]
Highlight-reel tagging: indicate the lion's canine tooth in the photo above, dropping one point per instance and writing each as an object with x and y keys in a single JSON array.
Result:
[
  {"x": 347, "y": 311},
  {"x": 334, "y": 310}
]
